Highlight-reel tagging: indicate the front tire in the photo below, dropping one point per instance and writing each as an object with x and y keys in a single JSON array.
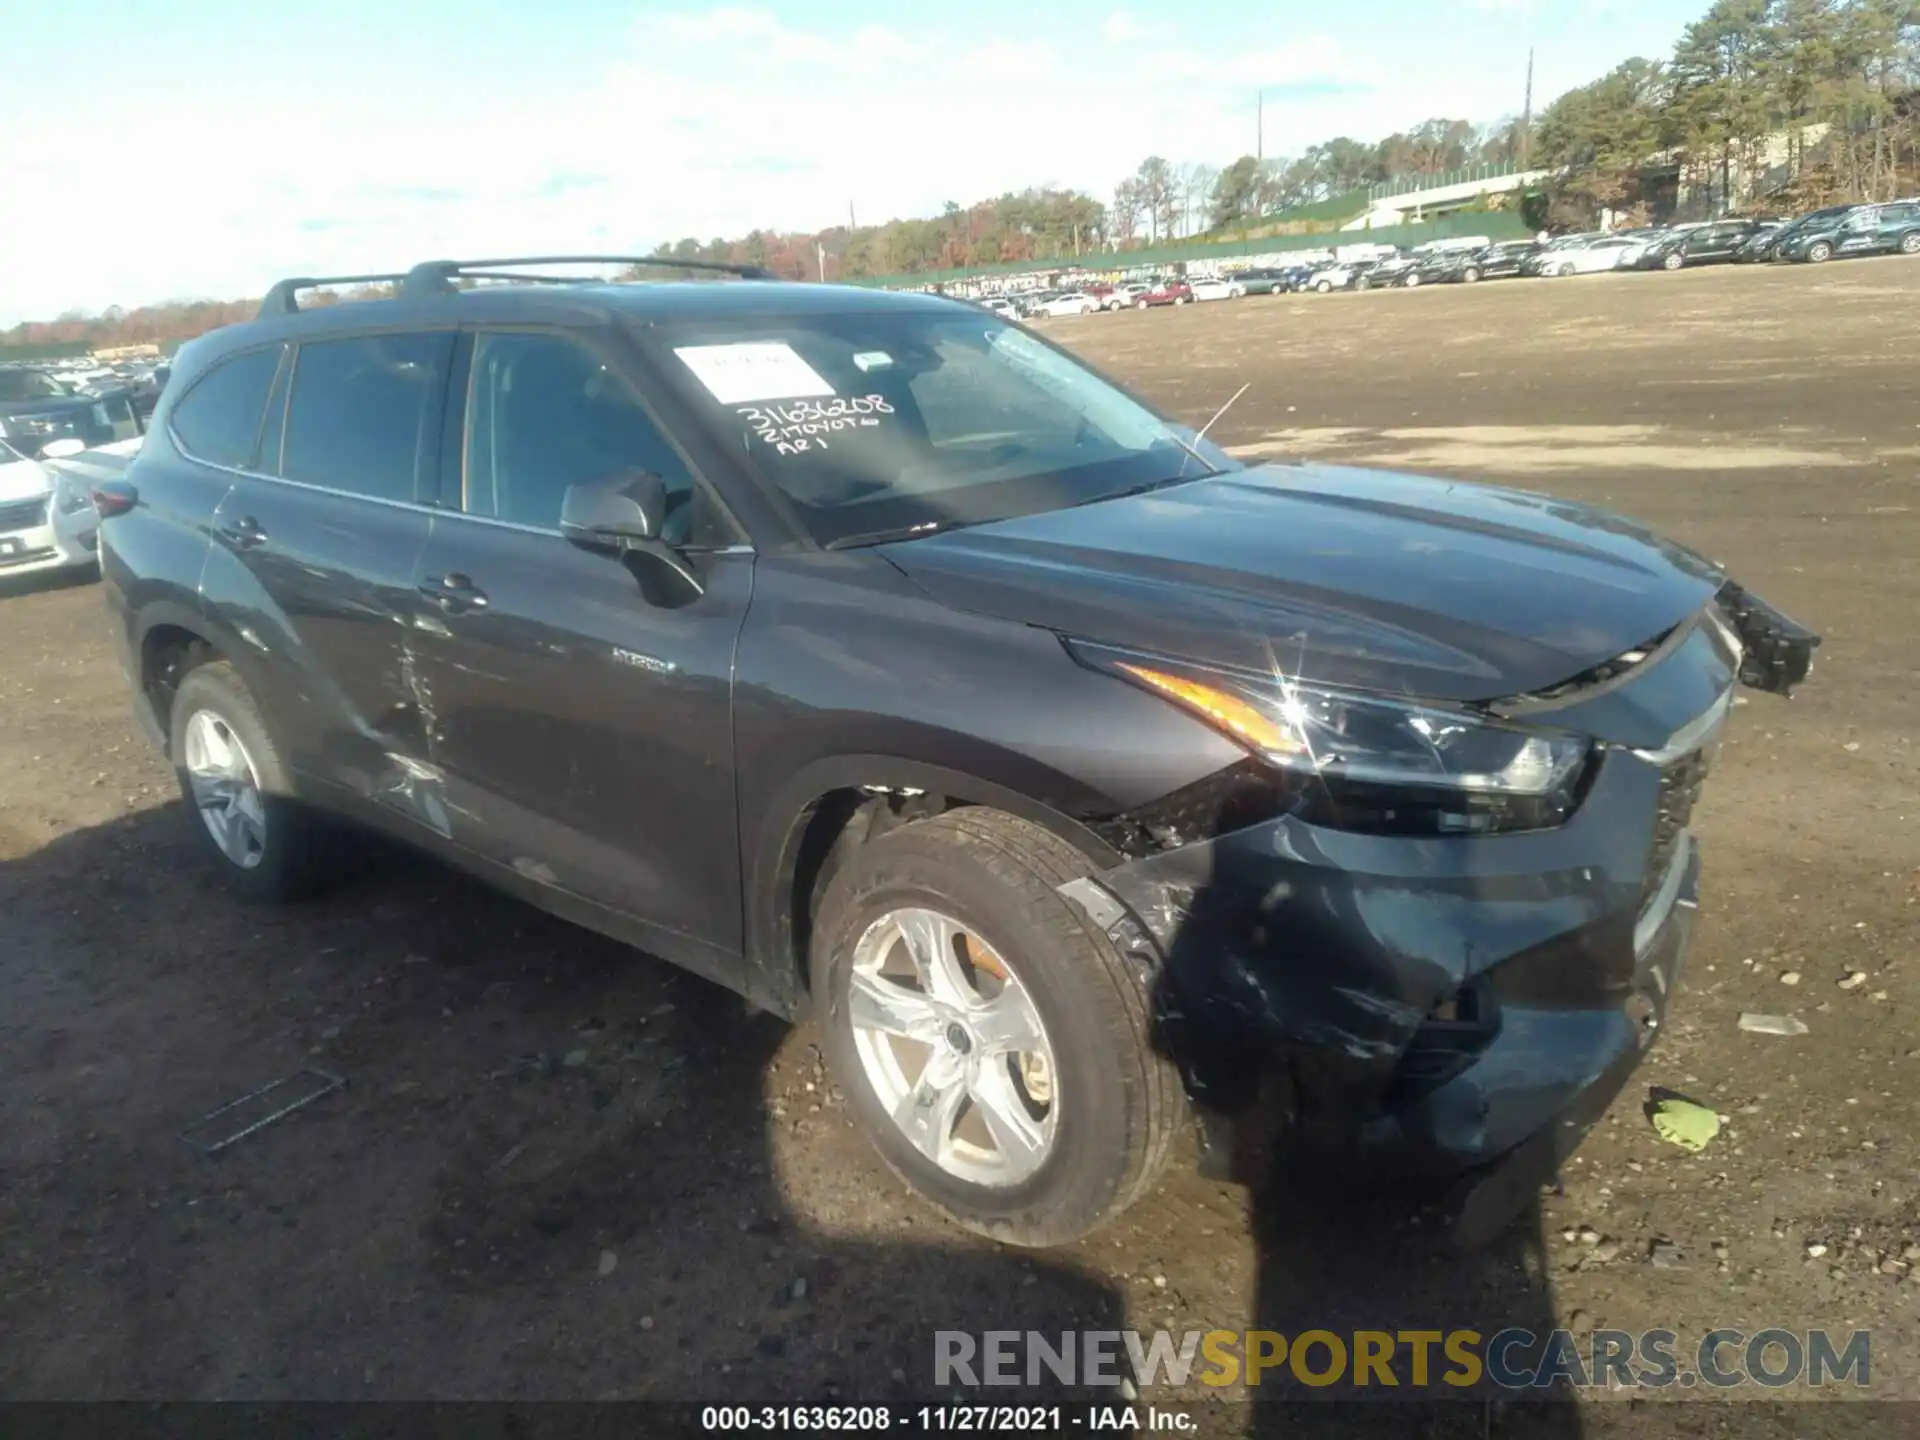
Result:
[
  {"x": 1819, "y": 253},
  {"x": 266, "y": 845},
  {"x": 1323, "y": 287},
  {"x": 991, "y": 1040},
  {"x": 1673, "y": 261},
  {"x": 1910, "y": 243},
  {"x": 1470, "y": 276}
]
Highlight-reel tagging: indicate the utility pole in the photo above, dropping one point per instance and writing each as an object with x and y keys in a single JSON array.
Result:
[
  {"x": 1526, "y": 114},
  {"x": 1259, "y": 126},
  {"x": 851, "y": 224},
  {"x": 820, "y": 253}
]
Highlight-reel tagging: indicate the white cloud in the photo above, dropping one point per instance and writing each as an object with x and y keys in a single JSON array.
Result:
[
  {"x": 699, "y": 123},
  {"x": 1123, "y": 29}
]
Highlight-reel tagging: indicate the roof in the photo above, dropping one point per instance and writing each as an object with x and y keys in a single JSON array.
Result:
[{"x": 587, "y": 301}]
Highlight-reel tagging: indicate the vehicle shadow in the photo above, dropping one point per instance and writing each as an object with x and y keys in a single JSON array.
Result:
[{"x": 557, "y": 1169}]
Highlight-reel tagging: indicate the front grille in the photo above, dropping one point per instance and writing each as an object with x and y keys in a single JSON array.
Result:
[
  {"x": 1680, "y": 785},
  {"x": 23, "y": 514},
  {"x": 26, "y": 557}
]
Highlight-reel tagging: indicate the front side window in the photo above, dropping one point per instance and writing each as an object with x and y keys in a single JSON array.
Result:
[
  {"x": 364, "y": 416},
  {"x": 218, "y": 420},
  {"x": 872, "y": 423},
  {"x": 545, "y": 412}
]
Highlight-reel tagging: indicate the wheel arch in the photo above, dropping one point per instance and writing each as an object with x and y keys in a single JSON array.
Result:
[
  {"x": 833, "y": 806},
  {"x": 172, "y": 639}
]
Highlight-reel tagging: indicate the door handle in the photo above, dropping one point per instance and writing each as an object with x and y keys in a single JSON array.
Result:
[
  {"x": 454, "y": 592},
  {"x": 245, "y": 533}
]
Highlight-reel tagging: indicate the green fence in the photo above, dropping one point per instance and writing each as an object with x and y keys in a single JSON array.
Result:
[{"x": 1494, "y": 224}]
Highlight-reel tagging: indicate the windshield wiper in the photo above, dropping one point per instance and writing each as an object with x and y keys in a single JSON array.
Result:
[{"x": 898, "y": 532}]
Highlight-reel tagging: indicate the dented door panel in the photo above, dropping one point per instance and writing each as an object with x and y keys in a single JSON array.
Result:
[
  {"x": 319, "y": 587},
  {"x": 579, "y": 734}
]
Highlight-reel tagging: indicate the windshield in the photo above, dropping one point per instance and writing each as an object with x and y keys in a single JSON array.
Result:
[
  {"x": 878, "y": 423},
  {"x": 30, "y": 385}
]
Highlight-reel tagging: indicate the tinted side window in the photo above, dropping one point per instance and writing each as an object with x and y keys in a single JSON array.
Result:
[
  {"x": 365, "y": 413},
  {"x": 544, "y": 412},
  {"x": 218, "y": 420}
]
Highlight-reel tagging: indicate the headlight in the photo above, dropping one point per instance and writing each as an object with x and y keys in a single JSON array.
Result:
[
  {"x": 1370, "y": 762},
  {"x": 70, "y": 497}
]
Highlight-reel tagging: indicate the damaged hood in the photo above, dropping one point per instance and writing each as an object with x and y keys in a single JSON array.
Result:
[{"x": 1362, "y": 578}]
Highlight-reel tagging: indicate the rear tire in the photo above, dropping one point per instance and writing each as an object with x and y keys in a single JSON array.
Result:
[
  {"x": 1323, "y": 287},
  {"x": 1910, "y": 243},
  {"x": 1111, "y": 1106},
  {"x": 238, "y": 793}
]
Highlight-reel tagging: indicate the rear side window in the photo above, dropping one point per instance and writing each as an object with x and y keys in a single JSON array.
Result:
[
  {"x": 218, "y": 420},
  {"x": 364, "y": 416}
]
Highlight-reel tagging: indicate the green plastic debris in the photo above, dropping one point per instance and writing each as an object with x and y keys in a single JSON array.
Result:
[{"x": 1683, "y": 1123}]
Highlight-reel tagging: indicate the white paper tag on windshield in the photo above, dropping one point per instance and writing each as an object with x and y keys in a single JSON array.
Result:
[{"x": 757, "y": 370}]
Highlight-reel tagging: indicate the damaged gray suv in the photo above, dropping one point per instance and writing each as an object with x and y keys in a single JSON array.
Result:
[{"x": 868, "y": 655}]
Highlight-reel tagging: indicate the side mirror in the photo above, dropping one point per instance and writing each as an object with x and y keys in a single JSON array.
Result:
[
  {"x": 62, "y": 449},
  {"x": 615, "y": 513},
  {"x": 625, "y": 514}
]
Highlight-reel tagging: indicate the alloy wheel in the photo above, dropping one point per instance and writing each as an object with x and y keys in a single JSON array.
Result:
[
  {"x": 953, "y": 1047},
  {"x": 226, "y": 789}
]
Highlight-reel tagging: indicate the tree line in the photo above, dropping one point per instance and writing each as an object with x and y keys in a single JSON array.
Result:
[{"x": 1779, "y": 104}]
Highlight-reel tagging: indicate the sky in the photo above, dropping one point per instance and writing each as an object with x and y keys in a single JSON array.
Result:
[{"x": 208, "y": 147}]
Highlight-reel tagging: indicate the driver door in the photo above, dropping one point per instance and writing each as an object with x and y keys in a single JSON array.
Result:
[{"x": 582, "y": 734}]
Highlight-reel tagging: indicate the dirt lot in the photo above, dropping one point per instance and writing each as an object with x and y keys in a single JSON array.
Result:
[{"x": 561, "y": 1170}]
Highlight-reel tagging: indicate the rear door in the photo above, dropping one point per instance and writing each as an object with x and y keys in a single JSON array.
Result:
[
  {"x": 584, "y": 731},
  {"x": 317, "y": 558}
]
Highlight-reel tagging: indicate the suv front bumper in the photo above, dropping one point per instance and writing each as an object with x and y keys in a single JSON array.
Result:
[{"x": 1446, "y": 1007}]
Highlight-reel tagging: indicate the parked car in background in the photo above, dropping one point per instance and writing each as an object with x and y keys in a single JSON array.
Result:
[
  {"x": 146, "y": 389},
  {"x": 1069, "y": 302},
  {"x": 36, "y": 409},
  {"x": 1164, "y": 292},
  {"x": 1341, "y": 275},
  {"x": 1700, "y": 245},
  {"x": 1264, "y": 280},
  {"x": 1217, "y": 288},
  {"x": 1758, "y": 243},
  {"x": 1862, "y": 230},
  {"x": 1588, "y": 257},
  {"x": 1447, "y": 267},
  {"x": 1002, "y": 306},
  {"x": 1768, "y": 247},
  {"x": 1123, "y": 296},
  {"x": 1506, "y": 259},
  {"x": 1387, "y": 274},
  {"x": 47, "y": 519}
]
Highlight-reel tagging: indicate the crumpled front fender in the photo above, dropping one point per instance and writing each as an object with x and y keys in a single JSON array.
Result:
[{"x": 1777, "y": 651}]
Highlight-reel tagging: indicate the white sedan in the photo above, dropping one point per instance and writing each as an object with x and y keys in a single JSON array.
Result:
[
  {"x": 1607, "y": 253},
  {"x": 47, "y": 519},
  {"x": 1221, "y": 289},
  {"x": 1073, "y": 303}
]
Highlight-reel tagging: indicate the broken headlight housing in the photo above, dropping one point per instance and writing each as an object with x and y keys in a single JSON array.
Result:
[{"x": 1370, "y": 762}]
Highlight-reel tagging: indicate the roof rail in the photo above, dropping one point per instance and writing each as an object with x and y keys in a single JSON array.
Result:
[
  {"x": 436, "y": 277},
  {"x": 279, "y": 300}
]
